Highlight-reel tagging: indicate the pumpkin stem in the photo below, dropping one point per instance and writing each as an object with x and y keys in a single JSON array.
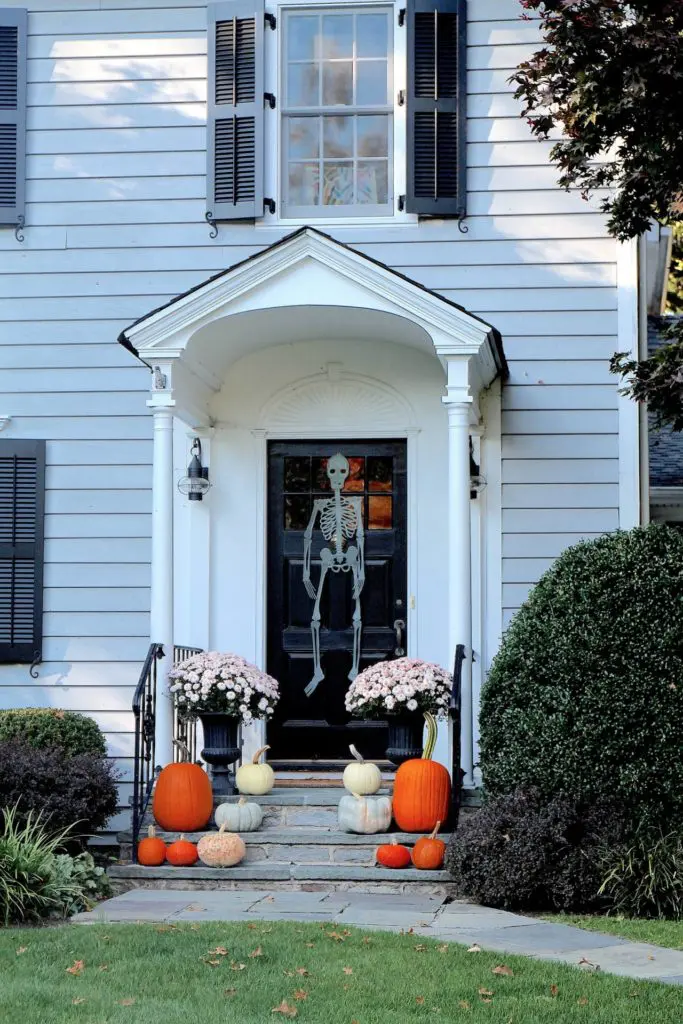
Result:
[
  {"x": 258, "y": 753},
  {"x": 431, "y": 736},
  {"x": 358, "y": 757},
  {"x": 435, "y": 830},
  {"x": 222, "y": 828},
  {"x": 151, "y": 832},
  {"x": 182, "y": 838},
  {"x": 357, "y": 795},
  {"x": 242, "y": 801},
  {"x": 183, "y": 748}
]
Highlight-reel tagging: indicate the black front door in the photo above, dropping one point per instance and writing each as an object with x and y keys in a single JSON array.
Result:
[{"x": 311, "y": 492}]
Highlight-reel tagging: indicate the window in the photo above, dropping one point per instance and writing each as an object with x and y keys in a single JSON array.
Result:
[
  {"x": 332, "y": 94},
  {"x": 337, "y": 112}
]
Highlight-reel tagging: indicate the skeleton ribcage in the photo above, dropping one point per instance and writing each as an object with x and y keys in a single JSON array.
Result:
[{"x": 328, "y": 520}]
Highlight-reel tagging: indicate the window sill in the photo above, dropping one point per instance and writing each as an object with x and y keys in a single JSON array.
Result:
[{"x": 324, "y": 223}]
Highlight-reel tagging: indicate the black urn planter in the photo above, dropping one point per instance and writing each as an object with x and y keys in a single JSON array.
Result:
[
  {"x": 221, "y": 749},
  {"x": 405, "y": 737}
]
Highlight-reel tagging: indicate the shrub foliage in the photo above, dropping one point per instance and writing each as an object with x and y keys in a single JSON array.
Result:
[
  {"x": 78, "y": 793},
  {"x": 523, "y": 852},
  {"x": 51, "y": 727},
  {"x": 645, "y": 876},
  {"x": 585, "y": 697}
]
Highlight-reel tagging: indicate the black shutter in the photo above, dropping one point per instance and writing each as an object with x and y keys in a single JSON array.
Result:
[
  {"x": 22, "y": 502},
  {"x": 436, "y": 102},
  {"x": 235, "y": 110},
  {"x": 12, "y": 114}
]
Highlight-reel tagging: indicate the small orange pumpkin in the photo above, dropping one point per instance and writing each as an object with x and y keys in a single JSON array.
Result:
[
  {"x": 152, "y": 850},
  {"x": 422, "y": 789},
  {"x": 429, "y": 852},
  {"x": 182, "y": 853},
  {"x": 183, "y": 799},
  {"x": 393, "y": 855}
]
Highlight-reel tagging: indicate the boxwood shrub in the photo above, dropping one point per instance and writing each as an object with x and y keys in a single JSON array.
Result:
[
  {"x": 585, "y": 697},
  {"x": 51, "y": 727}
]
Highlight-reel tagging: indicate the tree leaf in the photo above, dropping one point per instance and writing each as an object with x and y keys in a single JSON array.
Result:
[
  {"x": 77, "y": 967},
  {"x": 285, "y": 1009},
  {"x": 554, "y": 990},
  {"x": 503, "y": 970},
  {"x": 474, "y": 948}
]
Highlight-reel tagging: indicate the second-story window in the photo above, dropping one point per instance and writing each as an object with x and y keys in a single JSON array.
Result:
[{"x": 337, "y": 112}]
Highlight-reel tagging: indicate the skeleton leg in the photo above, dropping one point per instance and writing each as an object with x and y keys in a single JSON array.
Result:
[
  {"x": 357, "y": 622},
  {"x": 318, "y": 674}
]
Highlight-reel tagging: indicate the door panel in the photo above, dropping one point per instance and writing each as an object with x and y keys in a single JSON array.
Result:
[{"x": 317, "y": 726}]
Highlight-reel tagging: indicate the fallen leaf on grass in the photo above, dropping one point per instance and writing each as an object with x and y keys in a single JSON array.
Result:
[
  {"x": 337, "y": 936},
  {"x": 464, "y": 1005},
  {"x": 76, "y": 968},
  {"x": 211, "y": 963},
  {"x": 285, "y": 1009},
  {"x": 420, "y": 948},
  {"x": 126, "y": 1002},
  {"x": 302, "y": 971},
  {"x": 474, "y": 948},
  {"x": 554, "y": 991},
  {"x": 588, "y": 964},
  {"x": 166, "y": 928},
  {"x": 237, "y": 967},
  {"x": 256, "y": 953},
  {"x": 504, "y": 970},
  {"x": 582, "y": 1001},
  {"x": 444, "y": 948},
  {"x": 420, "y": 1000},
  {"x": 300, "y": 994},
  {"x": 22, "y": 949},
  {"x": 218, "y": 951},
  {"x": 485, "y": 992},
  {"x": 77, "y": 1001},
  {"x": 310, "y": 944},
  {"x": 103, "y": 967},
  {"x": 229, "y": 991},
  {"x": 367, "y": 941},
  {"x": 634, "y": 995},
  {"x": 347, "y": 970}
]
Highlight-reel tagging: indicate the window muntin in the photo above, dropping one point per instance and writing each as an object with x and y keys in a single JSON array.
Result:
[{"x": 337, "y": 113}]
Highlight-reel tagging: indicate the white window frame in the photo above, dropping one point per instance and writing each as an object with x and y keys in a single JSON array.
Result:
[{"x": 274, "y": 141}]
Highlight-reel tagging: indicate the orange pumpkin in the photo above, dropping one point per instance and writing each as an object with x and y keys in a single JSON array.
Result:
[
  {"x": 422, "y": 789},
  {"x": 182, "y": 853},
  {"x": 393, "y": 855},
  {"x": 183, "y": 800},
  {"x": 429, "y": 852},
  {"x": 152, "y": 850}
]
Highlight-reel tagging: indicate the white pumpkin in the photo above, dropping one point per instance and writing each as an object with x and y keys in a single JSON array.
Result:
[
  {"x": 239, "y": 817},
  {"x": 221, "y": 849},
  {"x": 255, "y": 779},
  {"x": 364, "y": 814},
  {"x": 361, "y": 776}
]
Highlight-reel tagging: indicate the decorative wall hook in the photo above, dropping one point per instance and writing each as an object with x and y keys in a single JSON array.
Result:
[
  {"x": 209, "y": 218},
  {"x": 19, "y": 228}
]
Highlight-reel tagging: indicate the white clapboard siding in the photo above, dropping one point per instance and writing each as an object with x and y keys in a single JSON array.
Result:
[{"x": 116, "y": 196}]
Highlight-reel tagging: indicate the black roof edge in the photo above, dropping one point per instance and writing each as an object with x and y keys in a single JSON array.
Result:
[{"x": 493, "y": 334}]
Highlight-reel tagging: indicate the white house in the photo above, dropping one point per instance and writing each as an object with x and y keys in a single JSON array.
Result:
[{"x": 366, "y": 254}]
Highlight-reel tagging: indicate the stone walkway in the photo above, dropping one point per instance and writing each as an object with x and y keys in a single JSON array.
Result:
[{"x": 430, "y": 916}]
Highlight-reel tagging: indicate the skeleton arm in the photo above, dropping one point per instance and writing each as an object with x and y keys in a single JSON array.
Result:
[
  {"x": 308, "y": 539},
  {"x": 360, "y": 541}
]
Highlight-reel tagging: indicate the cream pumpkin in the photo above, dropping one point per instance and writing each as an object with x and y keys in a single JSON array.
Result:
[
  {"x": 239, "y": 817},
  {"x": 364, "y": 814},
  {"x": 221, "y": 849},
  {"x": 255, "y": 779},
  {"x": 361, "y": 776}
]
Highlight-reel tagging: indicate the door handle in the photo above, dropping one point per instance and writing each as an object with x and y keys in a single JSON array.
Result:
[{"x": 399, "y": 626}]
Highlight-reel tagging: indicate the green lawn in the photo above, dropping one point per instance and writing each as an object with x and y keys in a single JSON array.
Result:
[
  {"x": 322, "y": 974},
  {"x": 661, "y": 933}
]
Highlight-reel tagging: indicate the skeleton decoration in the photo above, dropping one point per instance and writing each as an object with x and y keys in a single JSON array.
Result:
[{"x": 341, "y": 521}]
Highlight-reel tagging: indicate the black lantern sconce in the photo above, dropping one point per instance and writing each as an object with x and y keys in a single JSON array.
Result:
[{"x": 196, "y": 483}]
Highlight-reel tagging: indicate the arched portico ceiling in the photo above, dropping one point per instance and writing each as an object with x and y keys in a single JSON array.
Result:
[{"x": 306, "y": 286}]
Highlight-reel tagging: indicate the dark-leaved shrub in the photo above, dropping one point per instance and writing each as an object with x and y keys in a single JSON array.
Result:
[
  {"x": 76, "y": 792},
  {"x": 51, "y": 727},
  {"x": 522, "y": 852},
  {"x": 585, "y": 696}
]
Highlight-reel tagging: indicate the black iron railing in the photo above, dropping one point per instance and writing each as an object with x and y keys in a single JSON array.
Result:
[
  {"x": 184, "y": 729},
  {"x": 144, "y": 714},
  {"x": 456, "y": 719}
]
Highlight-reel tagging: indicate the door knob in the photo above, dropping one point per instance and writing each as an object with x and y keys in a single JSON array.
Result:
[{"x": 399, "y": 626}]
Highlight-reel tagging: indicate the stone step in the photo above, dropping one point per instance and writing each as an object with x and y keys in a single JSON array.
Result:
[
  {"x": 299, "y": 845},
  {"x": 329, "y": 877}
]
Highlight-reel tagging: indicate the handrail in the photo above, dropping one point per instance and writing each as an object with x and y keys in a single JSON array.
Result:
[
  {"x": 144, "y": 714},
  {"x": 455, "y": 716}
]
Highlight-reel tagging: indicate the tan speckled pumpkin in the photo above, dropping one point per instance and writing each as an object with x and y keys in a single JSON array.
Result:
[{"x": 221, "y": 849}]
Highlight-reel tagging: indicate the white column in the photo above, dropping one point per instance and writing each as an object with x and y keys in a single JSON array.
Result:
[
  {"x": 458, "y": 403},
  {"x": 161, "y": 628}
]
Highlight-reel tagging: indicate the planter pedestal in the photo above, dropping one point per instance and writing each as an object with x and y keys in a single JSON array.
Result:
[
  {"x": 221, "y": 749},
  {"x": 405, "y": 737}
]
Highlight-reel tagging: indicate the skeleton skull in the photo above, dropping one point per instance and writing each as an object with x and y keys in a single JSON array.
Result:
[{"x": 337, "y": 471}]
